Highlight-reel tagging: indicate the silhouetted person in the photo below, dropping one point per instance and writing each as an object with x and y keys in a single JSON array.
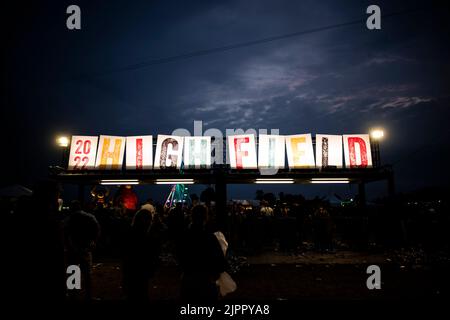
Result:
[
  {"x": 140, "y": 257},
  {"x": 37, "y": 251},
  {"x": 266, "y": 210},
  {"x": 81, "y": 232},
  {"x": 201, "y": 259},
  {"x": 176, "y": 227},
  {"x": 323, "y": 229},
  {"x": 127, "y": 199}
]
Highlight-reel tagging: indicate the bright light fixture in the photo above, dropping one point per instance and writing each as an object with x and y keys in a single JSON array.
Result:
[
  {"x": 63, "y": 141},
  {"x": 377, "y": 134},
  {"x": 278, "y": 179},
  {"x": 174, "y": 181},
  {"x": 117, "y": 182},
  {"x": 330, "y": 181},
  {"x": 120, "y": 180},
  {"x": 274, "y": 180}
]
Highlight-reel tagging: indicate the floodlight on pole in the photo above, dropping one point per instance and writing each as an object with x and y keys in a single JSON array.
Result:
[
  {"x": 377, "y": 134},
  {"x": 63, "y": 141}
]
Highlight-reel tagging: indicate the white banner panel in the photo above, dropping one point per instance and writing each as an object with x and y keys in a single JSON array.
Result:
[
  {"x": 300, "y": 151},
  {"x": 271, "y": 151},
  {"x": 329, "y": 151},
  {"x": 357, "y": 151},
  {"x": 169, "y": 152},
  {"x": 197, "y": 152},
  {"x": 82, "y": 152},
  {"x": 110, "y": 153},
  {"x": 139, "y": 153},
  {"x": 242, "y": 151}
]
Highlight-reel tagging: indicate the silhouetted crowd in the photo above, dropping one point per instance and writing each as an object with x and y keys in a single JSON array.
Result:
[
  {"x": 43, "y": 237},
  {"x": 44, "y": 240}
]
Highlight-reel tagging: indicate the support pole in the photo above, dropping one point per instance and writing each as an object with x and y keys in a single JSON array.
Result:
[
  {"x": 221, "y": 202},
  {"x": 362, "y": 194},
  {"x": 391, "y": 185},
  {"x": 81, "y": 193}
]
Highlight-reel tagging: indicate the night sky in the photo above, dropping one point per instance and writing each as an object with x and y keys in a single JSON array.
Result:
[{"x": 102, "y": 79}]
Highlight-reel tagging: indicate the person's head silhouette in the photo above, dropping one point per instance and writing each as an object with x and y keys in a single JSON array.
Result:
[{"x": 199, "y": 215}]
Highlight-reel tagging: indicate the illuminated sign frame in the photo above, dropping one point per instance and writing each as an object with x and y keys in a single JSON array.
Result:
[{"x": 194, "y": 152}]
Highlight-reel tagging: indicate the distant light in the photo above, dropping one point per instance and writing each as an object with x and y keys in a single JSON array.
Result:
[
  {"x": 377, "y": 134},
  {"x": 63, "y": 141}
]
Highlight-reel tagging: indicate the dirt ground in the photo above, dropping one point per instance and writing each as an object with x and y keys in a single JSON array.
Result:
[{"x": 276, "y": 276}]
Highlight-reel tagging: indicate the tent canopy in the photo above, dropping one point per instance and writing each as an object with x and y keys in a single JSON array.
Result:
[{"x": 15, "y": 191}]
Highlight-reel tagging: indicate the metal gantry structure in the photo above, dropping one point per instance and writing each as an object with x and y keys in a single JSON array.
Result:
[{"x": 221, "y": 175}]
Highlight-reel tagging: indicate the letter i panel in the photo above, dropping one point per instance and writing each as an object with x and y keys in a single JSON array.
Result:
[
  {"x": 139, "y": 153},
  {"x": 329, "y": 151}
]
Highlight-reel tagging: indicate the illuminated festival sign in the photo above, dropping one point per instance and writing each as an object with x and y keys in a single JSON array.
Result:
[
  {"x": 82, "y": 152},
  {"x": 194, "y": 152}
]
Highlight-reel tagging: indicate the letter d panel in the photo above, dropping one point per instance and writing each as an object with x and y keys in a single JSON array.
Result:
[{"x": 357, "y": 151}]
